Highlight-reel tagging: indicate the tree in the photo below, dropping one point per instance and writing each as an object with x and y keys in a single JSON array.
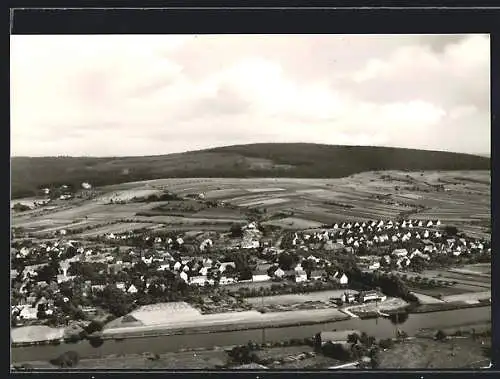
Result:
[
  {"x": 386, "y": 343},
  {"x": 374, "y": 358},
  {"x": 440, "y": 335},
  {"x": 353, "y": 338},
  {"x": 236, "y": 231},
  {"x": 94, "y": 326},
  {"x": 287, "y": 260},
  {"x": 96, "y": 341},
  {"x": 450, "y": 230}
]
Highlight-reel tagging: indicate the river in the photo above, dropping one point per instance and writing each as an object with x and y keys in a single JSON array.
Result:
[{"x": 379, "y": 328}]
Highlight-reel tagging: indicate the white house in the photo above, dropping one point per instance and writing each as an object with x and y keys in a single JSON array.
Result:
[
  {"x": 400, "y": 252},
  {"x": 224, "y": 265},
  {"x": 374, "y": 266},
  {"x": 300, "y": 276},
  {"x": 206, "y": 244},
  {"x": 177, "y": 266},
  {"x": 121, "y": 286},
  {"x": 260, "y": 276},
  {"x": 344, "y": 280},
  {"x": 198, "y": 280},
  {"x": 184, "y": 276},
  {"x": 28, "y": 313},
  {"x": 226, "y": 280},
  {"x": 132, "y": 289},
  {"x": 279, "y": 273},
  {"x": 203, "y": 271}
]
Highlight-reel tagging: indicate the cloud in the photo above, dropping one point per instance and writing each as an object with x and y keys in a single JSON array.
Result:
[{"x": 137, "y": 95}]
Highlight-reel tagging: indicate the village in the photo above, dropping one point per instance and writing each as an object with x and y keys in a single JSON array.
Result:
[{"x": 61, "y": 282}]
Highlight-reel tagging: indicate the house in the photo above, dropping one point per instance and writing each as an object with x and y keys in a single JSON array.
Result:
[
  {"x": 184, "y": 276},
  {"x": 260, "y": 275},
  {"x": 403, "y": 261},
  {"x": 224, "y": 265},
  {"x": 317, "y": 274},
  {"x": 343, "y": 280},
  {"x": 367, "y": 296},
  {"x": 400, "y": 252},
  {"x": 203, "y": 271},
  {"x": 250, "y": 244},
  {"x": 300, "y": 276},
  {"x": 132, "y": 289},
  {"x": 374, "y": 266},
  {"x": 177, "y": 266},
  {"x": 206, "y": 244},
  {"x": 226, "y": 280},
  {"x": 198, "y": 280},
  {"x": 279, "y": 273},
  {"x": 121, "y": 286},
  {"x": 97, "y": 287},
  {"x": 28, "y": 313},
  {"x": 334, "y": 337}
]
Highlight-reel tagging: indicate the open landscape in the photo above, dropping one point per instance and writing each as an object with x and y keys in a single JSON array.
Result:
[{"x": 248, "y": 202}]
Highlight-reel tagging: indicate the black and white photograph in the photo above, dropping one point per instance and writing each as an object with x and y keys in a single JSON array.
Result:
[{"x": 250, "y": 201}]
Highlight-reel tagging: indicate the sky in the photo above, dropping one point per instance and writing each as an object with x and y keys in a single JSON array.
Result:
[{"x": 130, "y": 95}]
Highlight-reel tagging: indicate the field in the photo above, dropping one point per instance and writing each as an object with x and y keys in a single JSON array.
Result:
[
  {"x": 198, "y": 360},
  {"x": 309, "y": 202},
  {"x": 422, "y": 353}
]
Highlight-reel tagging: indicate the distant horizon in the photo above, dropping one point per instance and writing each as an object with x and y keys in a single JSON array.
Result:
[{"x": 485, "y": 155}]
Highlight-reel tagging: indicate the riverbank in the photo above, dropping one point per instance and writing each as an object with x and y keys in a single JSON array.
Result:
[
  {"x": 266, "y": 320},
  {"x": 380, "y": 328}
]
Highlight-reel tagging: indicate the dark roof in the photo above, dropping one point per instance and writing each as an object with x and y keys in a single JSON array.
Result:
[{"x": 318, "y": 272}]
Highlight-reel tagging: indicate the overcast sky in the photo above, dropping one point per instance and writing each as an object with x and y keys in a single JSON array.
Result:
[{"x": 157, "y": 94}]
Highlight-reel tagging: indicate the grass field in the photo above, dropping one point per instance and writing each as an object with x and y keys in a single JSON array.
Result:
[
  {"x": 199, "y": 360},
  {"x": 429, "y": 354}
]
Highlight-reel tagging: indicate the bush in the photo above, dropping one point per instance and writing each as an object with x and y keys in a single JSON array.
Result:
[
  {"x": 440, "y": 335},
  {"x": 386, "y": 344},
  {"x": 94, "y": 326},
  {"x": 67, "y": 359}
]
